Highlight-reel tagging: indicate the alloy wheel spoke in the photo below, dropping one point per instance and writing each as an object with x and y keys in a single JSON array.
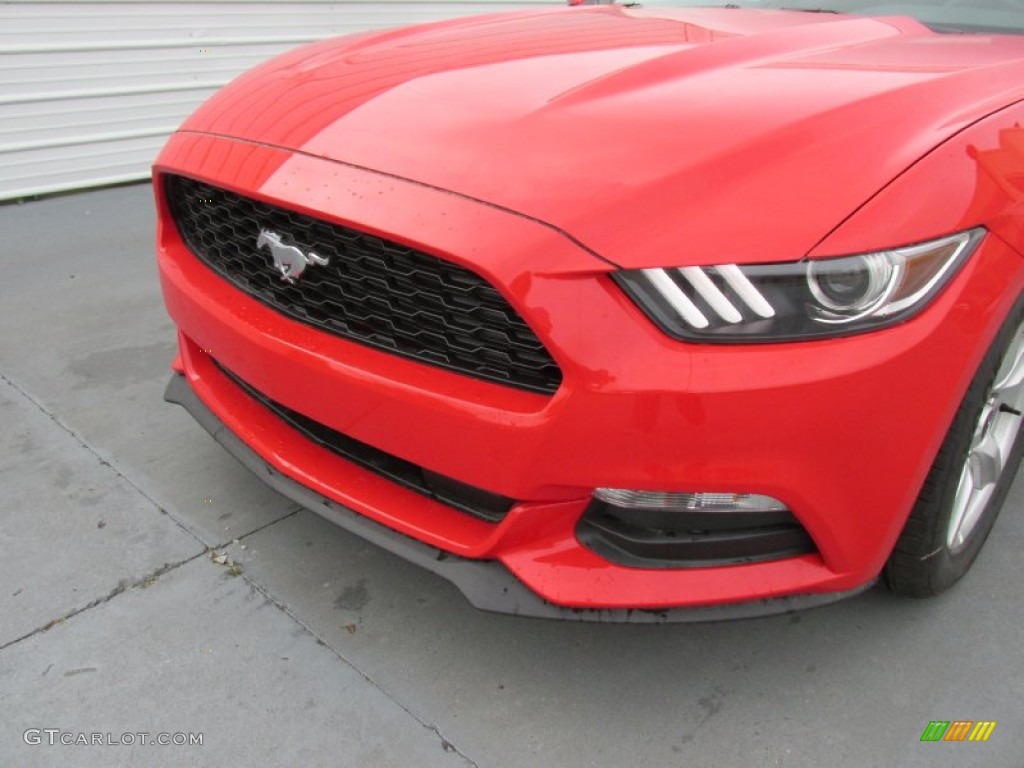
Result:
[
  {"x": 985, "y": 461},
  {"x": 1008, "y": 388},
  {"x": 995, "y": 434},
  {"x": 961, "y": 503}
]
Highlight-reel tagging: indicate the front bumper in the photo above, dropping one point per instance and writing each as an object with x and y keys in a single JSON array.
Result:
[
  {"x": 486, "y": 584},
  {"x": 842, "y": 431}
]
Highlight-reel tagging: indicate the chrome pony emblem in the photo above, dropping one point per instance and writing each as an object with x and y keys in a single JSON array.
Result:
[{"x": 289, "y": 260}]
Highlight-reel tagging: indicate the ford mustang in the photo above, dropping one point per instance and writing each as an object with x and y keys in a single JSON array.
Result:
[{"x": 618, "y": 312}]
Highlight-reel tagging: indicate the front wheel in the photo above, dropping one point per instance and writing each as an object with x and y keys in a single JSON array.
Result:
[{"x": 971, "y": 476}]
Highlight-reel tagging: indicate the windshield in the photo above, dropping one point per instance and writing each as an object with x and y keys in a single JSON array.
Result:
[{"x": 953, "y": 16}]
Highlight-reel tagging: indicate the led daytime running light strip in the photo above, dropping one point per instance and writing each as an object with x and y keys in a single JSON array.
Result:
[{"x": 662, "y": 282}]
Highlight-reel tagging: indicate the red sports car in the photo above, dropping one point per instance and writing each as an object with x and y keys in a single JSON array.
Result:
[{"x": 622, "y": 313}]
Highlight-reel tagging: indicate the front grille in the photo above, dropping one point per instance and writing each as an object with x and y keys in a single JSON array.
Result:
[
  {"x": 372, "y": 291},
  {"x": 485, "y": 505}
]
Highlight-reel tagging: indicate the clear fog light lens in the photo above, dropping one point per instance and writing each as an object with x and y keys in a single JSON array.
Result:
[
  {"x": 653, "y": 529},
  {"x": 689, "y": 502}
]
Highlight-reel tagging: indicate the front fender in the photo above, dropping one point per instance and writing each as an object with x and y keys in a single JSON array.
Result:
[{"x": 975, "y": 178}]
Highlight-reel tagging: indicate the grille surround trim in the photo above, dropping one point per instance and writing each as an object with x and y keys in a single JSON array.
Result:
[{"x": 374, "y": 292}]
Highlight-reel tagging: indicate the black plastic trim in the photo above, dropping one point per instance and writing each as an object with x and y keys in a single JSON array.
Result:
[
  {"x": 651, "y": 538},
  {"x": 487, "y": 506},
  {"x": 486, "y": 584}
]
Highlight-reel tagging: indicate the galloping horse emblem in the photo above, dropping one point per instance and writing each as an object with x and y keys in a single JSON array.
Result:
[{"x": 289, "y": 260}]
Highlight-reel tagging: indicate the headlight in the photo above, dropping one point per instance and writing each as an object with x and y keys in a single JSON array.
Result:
[{"x": 798, "y": 300}]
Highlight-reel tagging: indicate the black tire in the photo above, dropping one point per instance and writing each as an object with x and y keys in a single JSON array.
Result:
[{"x": 922, "y": 563}]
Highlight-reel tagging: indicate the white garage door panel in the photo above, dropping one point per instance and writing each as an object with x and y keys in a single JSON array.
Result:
[
  {"x": 89, "y": 91},
  {"x": 45, "y": 73},
  {"x": 53, "y": 121},
  {"x": 37, "y": 172},
  {"x": 134, "y": 23}
]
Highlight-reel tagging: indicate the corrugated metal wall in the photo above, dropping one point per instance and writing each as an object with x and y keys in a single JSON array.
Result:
[{"x": 90, "y": 90}]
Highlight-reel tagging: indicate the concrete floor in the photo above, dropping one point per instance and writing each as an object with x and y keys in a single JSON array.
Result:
[{"x": 327, "y": 651}]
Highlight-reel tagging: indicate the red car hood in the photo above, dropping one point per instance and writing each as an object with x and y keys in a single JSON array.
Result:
[{"x": 651, "y": 137}]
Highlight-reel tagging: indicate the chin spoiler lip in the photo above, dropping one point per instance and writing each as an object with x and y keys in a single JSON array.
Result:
[{"x": 798, "y": 300}]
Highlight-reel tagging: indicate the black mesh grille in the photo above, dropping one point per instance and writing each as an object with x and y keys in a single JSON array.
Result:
[{"x": 372, "y": 291}]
